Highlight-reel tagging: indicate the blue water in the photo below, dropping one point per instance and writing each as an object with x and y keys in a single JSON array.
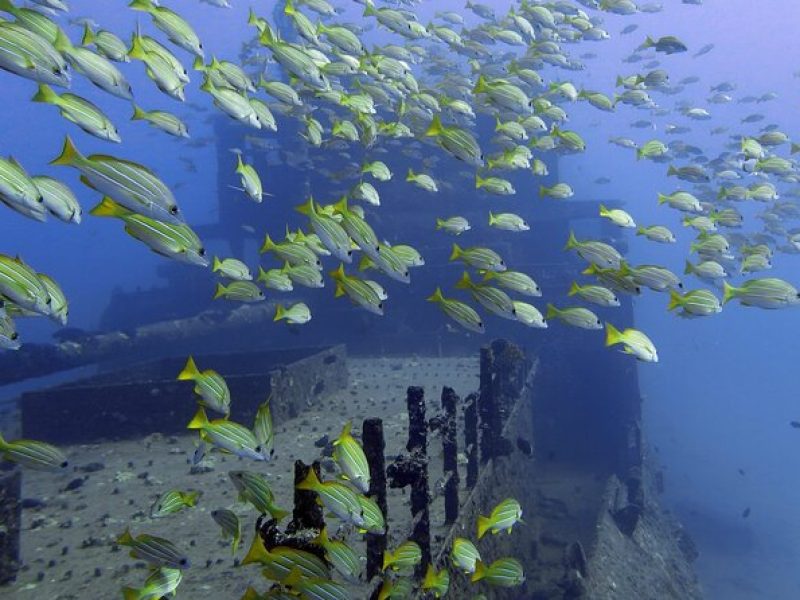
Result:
[{"x": 725, "y": 389}]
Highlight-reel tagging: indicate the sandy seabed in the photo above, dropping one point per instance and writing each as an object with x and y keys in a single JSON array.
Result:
[{"x": 72, "y": 519}]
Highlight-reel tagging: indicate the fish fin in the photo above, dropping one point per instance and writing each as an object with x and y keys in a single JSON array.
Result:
[
  {"x": 552, "y": 312},
  {"x": 138, "y": 114},
  {"x": 729, "y": 292},
  {"x": 387, "y": 559},
  {"x": 675, "y": 300},
  {"x": 436, "y": 296},
  {"x": 465, "y": 283},
  {"x": 190, "y": 371},
  {"x": 435, "y": 128},
  {"x": 572, "y": 241},
  {"x": 69, "y": 154},
  {"x": 143, "y": 5},
  {"x": 126, "y": 538},
  {"x": 280, "y": 313},
  {"x": 613, "y": 335},
  {"x": 46, "y": 94},
  {"x": 257, "y": 553},
  {"x": 480, "y": 572},
  {"x": 311, "y": 482},
  {"x": 88, "y": 35},
  {"x": 109, "y": 208},
  {"x": 62, "y": 43},
  {"x": 129, "y": 593},
  {"x": 483, "y": 525},
  {"x": 199, "y": 420}
]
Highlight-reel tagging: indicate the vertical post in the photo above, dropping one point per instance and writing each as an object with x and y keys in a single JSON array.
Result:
[
  {"x": 486, "y": 404},
  {"x": 10, "y": 517},
  {"x": 471, "y": 439},
  {"x": 450, "y": 455},
  {"x": 374, "y": 446},
  {"x": 307, "y": 513},
  {"x": 418, "y": 448}
]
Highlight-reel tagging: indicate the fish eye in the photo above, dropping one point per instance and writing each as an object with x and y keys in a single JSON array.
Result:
[
  {"x": 183, "y": 562},
  {"x": 202, "y": 252},
  {"x": 258, "y": 448},
  {"x": 14, "y": 336},
  {"x": 349, "y": 253},
  {"x": 380, "y": 305},
  {"x": 64, "y": 464},
  {"x": 173, "y": 210}
]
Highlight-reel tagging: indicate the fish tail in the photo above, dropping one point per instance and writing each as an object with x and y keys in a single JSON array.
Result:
[
  {"x": 46, "y": 94},
  {"x": 126, "y": 538},
  {"x": 129, "y": 593},
  {"x": 672, "y": 171},
  {"x": 483, "y": 525},
  {"x": 62, "y": 43},
  {"x": 479, "y": 183},
  {"x": 191, "y": 498},
  {"x": 387, "y": 559},
  {"x": 574, "y": 289},
  {"x": 436, "y": 296},
  {"x": 729, "y": 292},
  {"x": 465, "y": 282},
  {"x": 480, "y": 572},
  {"x": 88, "y": 35},
  {"x": 190, "y": 371},
  {"x": 552, "y": 312},
  {"x": 365, "y": 263},
  {"x": 481, "y": 86},
  {"x": 339, "y": 291},
  {"x": 640, "y": 230},
  {"x": 346, "y": 428},
  {"x": 138, "y": 114},
  {"x": 794, "y": 149},
  {"x": 217, "y": 265},
  {"x": 369, "y": 9},
  {"x": 542, "y": 191},
  {"x": 410, "y": 176},
  {"x": 572, "y": 241},
  {"x": 219, "y": 292},
  {"x": 109, "y": 208},
  {"x": 198, "y": 65},
  {"x": 307, "y": 208},
  {"x": 456, "y": 253},
  {"x": 267, "y": 245},
  {"x": 137, "y": 50},
  {"x": 69, "y": 154},
  {"x": 143, "y": 5},
  {"x": 199, "y": 420},
  {"x": 689, "y": 268},
  {"x": 257, "y": 553},
  {"x": 435, "y": 128},
  {"x": 322, "y": 537},
  {"x": 603, "y": 210},
  {"x": 430, "y": 578},
  {"x": 289, "y": 9},
  {"x": 311, "y": 482},
  {"x": 338, "y": 274},
  {"x": 439, "y": 223},
  {"x": 280, "y": 313},
  {"x": 341, "y": 206},
  {"x": 648, "y": 43},
  {"x": 662, "y": 198},
  {"x": 675, "y": 300},
  {"x": 492, "y": 218},
  {"x": 613, "y": 335},
  {"x": 3, "y": 443}
]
